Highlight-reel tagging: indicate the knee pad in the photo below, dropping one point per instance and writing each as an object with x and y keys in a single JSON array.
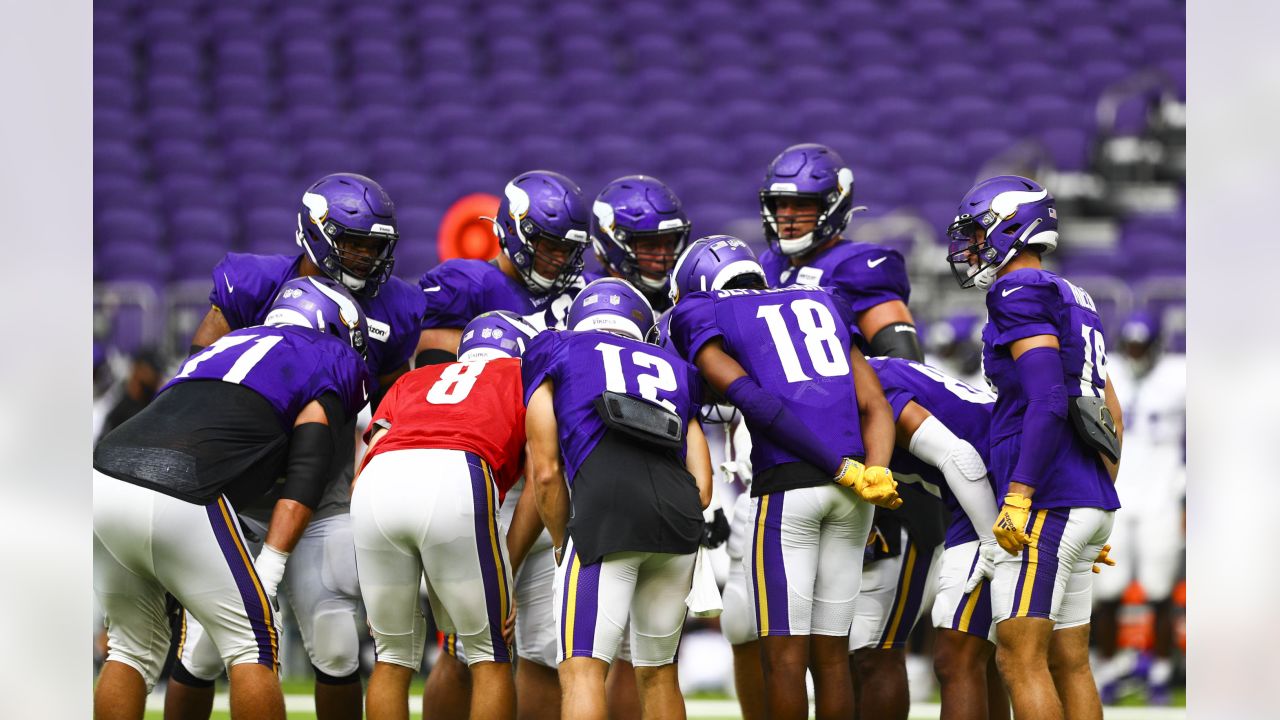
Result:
[
  {"x": 200, "y": 659},
  {"x": 325, "y": 679},
  {"x": 335, "y": 645},
  {"x": 181, "y": 674}
]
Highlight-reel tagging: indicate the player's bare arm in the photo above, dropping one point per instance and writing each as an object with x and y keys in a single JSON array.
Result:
[
  {"x": 544, "y": 469},
  {"x": 874, "y": 410},
  {"x": 213, "y": 326},
  {"x": 698, "y": 461},
  {"x": 878, "y": 317},
  {"x": 526, "y": 525},
  {"x": 445, "y": 339}
]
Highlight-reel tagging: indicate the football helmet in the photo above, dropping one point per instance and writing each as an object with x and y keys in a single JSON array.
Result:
[
  {"x": 613, "y": 305},
  {"x": 714, "y": 263},
  {"x": 632, "y": 219},
  {"x": 498, "y": 333},
  {"x": 347, "y": 227},
  {"x": 321, "y": 304},
  {"x": 997, "y": 219},
  {"x": 542, "y": 227},
  {"x": 1140, "y": 334},
  {"x": 813, "y": 172}
]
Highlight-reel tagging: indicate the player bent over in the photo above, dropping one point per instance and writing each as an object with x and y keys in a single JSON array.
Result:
[
  {"x": 260, "y": 403},
  {"x": 815, "y": 410},
  {"x": 625, "y": 508},
  {"x": 1045, "y": 352},
  {"x": 448, "y": 442}
]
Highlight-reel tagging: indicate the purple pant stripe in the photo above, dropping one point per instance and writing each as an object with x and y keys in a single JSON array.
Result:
[
  {"x": 566, "y": 566},
  {"x": 915, "y": 593},
  {"x": 480, "y": 496},
  {"x": 775, "y": 569},
  {"x": 1050, "y": 543},
  {"x": 246, "y": 582},
  {"x": 584, "y": 617}
]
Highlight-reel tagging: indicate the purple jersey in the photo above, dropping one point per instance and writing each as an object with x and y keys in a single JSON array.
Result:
[
  {"x": 244, "y": 286},
  {"x": 795, "y": 343},
  {"x": 1030, "y": 302},
  {"x": 662, "y": 330},
  {"x": 583, "y": 365},
  {"x": 458, "y": 290},
  {"x": 289, "y": 366},
  {"x": 864, "y": 274},
  {"x": 963, "y": 409}
]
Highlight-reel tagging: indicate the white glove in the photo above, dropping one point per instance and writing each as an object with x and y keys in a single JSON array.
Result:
[
  {"x": 985, "y": 568},
  {"x": 270, "y": 568}
]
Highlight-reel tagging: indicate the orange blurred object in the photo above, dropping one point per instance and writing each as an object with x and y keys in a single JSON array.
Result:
[
  {"x": 464, "y": 233},
  {"x": 1180, "y": 614},
  {"x": 1136, "y": 622}
]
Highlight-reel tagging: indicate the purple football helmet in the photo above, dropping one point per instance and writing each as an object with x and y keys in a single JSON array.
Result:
[
  {"x": 498, "y": 333},
  {"x": 998, "y": 218},
  {"x": 809, "y": 172},
  {"x": 542, "y": 227},
  {"x": 1141, "y": 336},
  {"x": 714, "y": 263},
  {"x": 639, "y": 228},
  {"x": 613, "y": 305},
  {"x": 347, "y": 227},
  {"x": 321, "y": 304}
]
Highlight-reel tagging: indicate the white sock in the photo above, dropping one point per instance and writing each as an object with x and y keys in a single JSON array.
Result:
[{"x": 1161, "y": 671}]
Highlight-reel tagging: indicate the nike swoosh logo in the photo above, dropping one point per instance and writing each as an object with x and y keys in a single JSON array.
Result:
[
  {"x": 228, "y": 281},
  {"x": 1010, "y": 291},
  {"x": 364, "y": 391},
  {"x": 877, "y": 261},
  {"x": 431, "y": 289}
]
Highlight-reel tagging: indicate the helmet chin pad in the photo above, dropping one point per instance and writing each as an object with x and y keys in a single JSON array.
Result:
[{"x": 796, "y": 246}]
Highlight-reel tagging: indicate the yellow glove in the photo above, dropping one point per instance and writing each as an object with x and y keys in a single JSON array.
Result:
[
  {"x": 878, "y": 487},
  {"x": 850, "y": 473},
  {"x": 1011, "y": 523},
  {"x": 1104, "y": 557}
]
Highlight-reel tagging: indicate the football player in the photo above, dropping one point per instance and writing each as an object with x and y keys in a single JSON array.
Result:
[
  {"x": 260, "y": 403},
  {"x": 1055, "y": 442},
  {"x": 542, "y": 230},
  {"x": 1152, "y": 387},
  {"x": 443, "y": 431},
  {"x": 638, "y": 229},
  {"x": 954, "y": 345},
  {"x": 541, "y": 225},
  {"x": 942, "y": 441},
  {"x": 624, "y": 509},
  {"x": 346, "y": 231},
  {"x": 816, "y": 412},
  {"x": 806, "y": 201}
]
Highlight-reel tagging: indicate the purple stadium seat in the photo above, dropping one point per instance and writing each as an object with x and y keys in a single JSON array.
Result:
[
  {"x": 122, "y": 225},
  {"x": 878, "y": 81},
  {"x": 1068, "y": 146},
  {"x": 193, "y": 261},
  {"x": 1035, "y": 76},
  {"x": 1097, "y": 75},
  {"x": 664, "y": 82},
  {"x": 1040, "y": 112},
  {"x": 408, "y": 188},
  {"x": 616, "y": 155},
  {"x": 178, "y": 123},
  {"x": 114, "y": 124},
  {"x": 1160, "y": 42},
  {"x": 320, "y": 155},
  {"x": 119, "y": 157},
  {"x": 172, "y": 23},
  {"x": 307, "y": 55},
  {"x": 444, "y": 87},
  {"x": 369, "y": 88},
  {"x": 979, "y": 146},
  {"x": 415, "y": 254},
  {"x": 173, "y": 91},
  {"x": 242, "y": 91},
  {"x": 236, "y": 56},
  {"x": 390, "y": 154},
  {"x": 113, "y": 59},
  {"x": 448, "y": 54},
  {"x": 902, "y": 113},
  {"x": 376, "y": 54},
  {"x": 873, "y": 46},
  {"x": 231, "y": 20},
  {"x": 195, "y": 189},
  {"x": 185, "y": 156},
  {"x": 194, "y": 224},
  {"x": 270, "y": 230},
  {"x": 129, "y": 260},
  {"x": 257, "y": 155},
  {"x": 944, "y": 42}
]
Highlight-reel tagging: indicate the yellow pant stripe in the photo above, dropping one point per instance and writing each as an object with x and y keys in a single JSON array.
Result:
[
  {"x": 762, "y": 593},
  {"x": 1033, "y": 559}
]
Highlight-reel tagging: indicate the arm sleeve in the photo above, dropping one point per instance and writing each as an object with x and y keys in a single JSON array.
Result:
[
  {"x": 866, "y": 286},
  {"x": 449, "y": 291},
  {"x": 1029, "y": 310},
  {"x": 1044, "y": 426},
  {"x": 963, "y": 469},
  {"x": 768, "y": 415},
  {"x": 693, "y": 324}
]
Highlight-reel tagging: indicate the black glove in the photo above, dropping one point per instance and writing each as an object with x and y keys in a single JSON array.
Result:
[{"x": 715, "y": 532}]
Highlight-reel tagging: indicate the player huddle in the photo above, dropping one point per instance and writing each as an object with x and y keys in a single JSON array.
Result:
[{"x": 541, "y": 481}]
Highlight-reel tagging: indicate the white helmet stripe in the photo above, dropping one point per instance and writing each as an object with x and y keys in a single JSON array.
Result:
[
  {"x": 348, "y": 311},
  {"x": 1007, "y": 203}
]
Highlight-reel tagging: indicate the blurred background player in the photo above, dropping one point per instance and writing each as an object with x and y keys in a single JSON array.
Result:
[
  {"x": 638, "y": 229},
  {"x": 806, "y": 201},
  {"x": 443, "y": 431},
  {"x": 943, "y": 427},
  {"x": 954, "y": 346},
  {"x": 542, "y": 230},
  {"x": 1045, "y": 352},
  {"x": 261, "y": 403},
  {"x": 813, "y": 422},
  {"x": 137, "y": 389},
  {"x": 346, "y": 230},
  {"x": 1151, "y": 385},
  {"x": 710, "y": 264},
  {"x": 625, "y": 508},
  {"x": 541, "y": 225}
]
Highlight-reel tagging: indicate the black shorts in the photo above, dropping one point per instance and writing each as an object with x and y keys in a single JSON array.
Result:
[{"x": 629, "y": 496}]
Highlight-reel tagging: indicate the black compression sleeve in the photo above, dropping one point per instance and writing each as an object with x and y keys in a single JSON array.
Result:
[
  {"x": 434, "y": 356},
  {"x": 897, "y": 340},
  {"x": 310, "y": 464}
]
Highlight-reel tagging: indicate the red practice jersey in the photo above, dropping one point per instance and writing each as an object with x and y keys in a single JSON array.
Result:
[{"x": 473, "y": 406}]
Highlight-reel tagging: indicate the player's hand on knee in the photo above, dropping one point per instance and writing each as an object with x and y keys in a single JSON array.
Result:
[
  {"x": 1104, "y": 557},
  {"x": 985, "y": 567},
  {"x": 1010, "y": 524},
  {"x": 269, "y": 565}
]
